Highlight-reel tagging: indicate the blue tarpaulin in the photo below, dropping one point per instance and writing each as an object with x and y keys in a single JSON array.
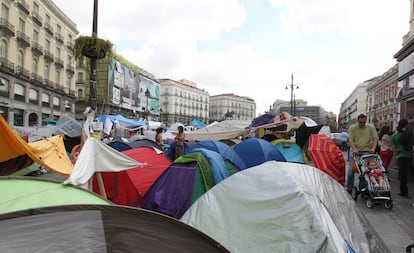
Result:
[{"x": 197, "y": 123}]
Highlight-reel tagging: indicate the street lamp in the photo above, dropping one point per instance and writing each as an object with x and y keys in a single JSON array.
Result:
[
  {"x": 292, "y": 87},
  {"x": 92, "y": 82}
]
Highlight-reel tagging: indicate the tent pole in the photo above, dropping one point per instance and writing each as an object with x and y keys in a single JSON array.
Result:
[{"x": 101, "y": 184}]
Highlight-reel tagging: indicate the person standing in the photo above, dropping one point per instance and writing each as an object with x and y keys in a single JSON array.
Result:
[
  {"x": 384, "y": 144},
  {"x": 158, "y": 137},
  {"x": 403, "y": 150},
  {"x": 179, "y": 142},
  {"x": 363, "y": 139}
]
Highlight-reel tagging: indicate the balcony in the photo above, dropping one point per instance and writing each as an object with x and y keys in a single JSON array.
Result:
[
  {"x": 49, "y": 29},
  {"x": 60, "y": 89},
  {"x": 37, "y": 49},
  {"x": 23, "y": 6},
  {"x": 6, "y": 27},
  {"x": 72, "y": 93},
  {"x": 48, "y": 56},
  {"x": 23, "y": 39},
  {"x": 69, "y": 45},
  {"x": 59, "y": 38},
  {"x": 6, "y": 66},
  {"x": 37, "y": 19},
  {"x": 36, "y": 79},
  {"x": 70, "y": 69},
  {"x": 23, "y": 73},
  {"x": 59, "y": 62}
]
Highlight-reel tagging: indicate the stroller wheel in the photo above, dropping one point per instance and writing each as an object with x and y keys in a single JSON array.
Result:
[
  {"x": 369, "y": 203},
  {"x": 354, "y": 193},
  {"x": 388, "y": 204}
]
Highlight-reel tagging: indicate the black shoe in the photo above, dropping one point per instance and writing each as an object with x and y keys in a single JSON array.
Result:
[{"x": 403, "y": 195}]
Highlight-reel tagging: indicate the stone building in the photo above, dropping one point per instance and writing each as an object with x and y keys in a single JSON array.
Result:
[
  {"x": 231, "y": 106},
  {"x": 36, "y": 62}
]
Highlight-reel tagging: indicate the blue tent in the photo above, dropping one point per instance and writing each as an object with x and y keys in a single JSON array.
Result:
[
  {"x": 223, "y": 149},
  {"x": 197, "y": 123},
  {"x": 256, "y": 151}
]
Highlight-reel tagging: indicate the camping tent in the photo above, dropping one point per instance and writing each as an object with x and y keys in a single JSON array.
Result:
[
  {"x": 129, "y": 187},
  {"x": 223, "y": 130},
  {"x": 291, "y": 151},
  {"x": 257, "y": 151},
  {"x": 182, "y": 183},
  {"x": 99, "y": 228},
  {"x": 223, "y": 149},
  {"x": 49, "y": 153},
  {"x": 20, "y": 193},
  {"x": 280, "y": 207}
]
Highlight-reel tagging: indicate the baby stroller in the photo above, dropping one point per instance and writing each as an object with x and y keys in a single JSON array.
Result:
[{"x": 368, "y": 191}]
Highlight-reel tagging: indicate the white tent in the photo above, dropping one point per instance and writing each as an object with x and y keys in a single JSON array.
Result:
[
  {"x": 223, "y": 130},
  {"x": 280, "y": 207}
]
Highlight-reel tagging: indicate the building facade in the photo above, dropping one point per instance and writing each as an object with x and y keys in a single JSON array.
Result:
[
  {"x": 301, "y": 108},
  {"x": 405, "y": 58},
  {"x": 354, "y": 105},
  {"x": 231, "y": 106},
  {"x": 36, "y": 62},
  {"x": 382, "y": 106},
  {"x": 181, "y": 101}
]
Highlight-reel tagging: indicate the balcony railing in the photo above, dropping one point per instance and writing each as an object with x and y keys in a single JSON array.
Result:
[
  {"x": 23, "y": 39},
  {"x": 22, "y": 73},
  {"x": 69, "y": 45},
  {"x": 6, "y": 27},
  {"x": 48, "y": 56},
  {"x": 6, "y": 66},
  {"x": 49, "y": 29},
  {"x": 70, "y": 69},
  {"x": 37, "y": 18},
  {"x": 59, "y": 37},
  {"x": 59, "y": 62},
  {"x": 37, "y": 48},
  {"x": 23, "y": 6},
  {"x": 35, "y": 78}
]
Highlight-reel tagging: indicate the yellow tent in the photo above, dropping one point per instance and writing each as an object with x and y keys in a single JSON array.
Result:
[{"x": 50, "y": 152}]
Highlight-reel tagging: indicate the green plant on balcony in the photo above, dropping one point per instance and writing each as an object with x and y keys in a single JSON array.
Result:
[{"x": 92, "y": 47}]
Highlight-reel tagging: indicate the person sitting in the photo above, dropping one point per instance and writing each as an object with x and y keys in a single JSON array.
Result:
[
  {"x": 158, "y": 137},
  {"x": 179, "y": 142},
  {"x": 375, "y": 173}
]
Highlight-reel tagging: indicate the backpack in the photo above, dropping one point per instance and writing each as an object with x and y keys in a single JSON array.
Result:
[{"x": 407, "y": 139}]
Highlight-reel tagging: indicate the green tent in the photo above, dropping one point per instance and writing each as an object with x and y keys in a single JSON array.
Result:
[{"x": 20, "y": 193}]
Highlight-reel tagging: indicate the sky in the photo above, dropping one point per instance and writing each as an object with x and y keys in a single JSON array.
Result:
[{"x": 252, "y": 47}]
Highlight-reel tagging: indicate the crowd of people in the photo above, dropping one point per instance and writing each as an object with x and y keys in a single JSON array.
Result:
[{"x": 366, "y": 139}]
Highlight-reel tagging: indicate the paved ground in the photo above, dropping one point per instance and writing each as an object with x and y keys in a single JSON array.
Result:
[{"x": 395, "y": 226}]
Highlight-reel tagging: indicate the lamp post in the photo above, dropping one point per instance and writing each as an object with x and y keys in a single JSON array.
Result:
[
  {"x": 92, "y": 79},
  {"x": 292, "y": 87}
]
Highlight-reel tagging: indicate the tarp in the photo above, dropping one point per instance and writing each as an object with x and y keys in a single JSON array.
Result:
[
  {"x": 122, "y": 121},
  {"x": 280, "y": 207},
  {"x": 129, "y": 187},
  {"x": 256, "y": 151},
  {"x": 20, "y": 193},
  {"x": 99, "y": 228},
  {"x": 96, "y": 156},
  {"x": 223, "y": 130},
  {"x": 197, "y": 123},
  {"x": 327, "y": 157},
  {"x": 49, "y": 153}
]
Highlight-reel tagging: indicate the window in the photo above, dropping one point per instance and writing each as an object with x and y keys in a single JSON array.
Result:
[
  {"x": 47, "y": 44},
  {"x": 58, "y": 52},
  {"x": 56, "y": 101},
  {"x": 34, "y": 65},
  {"x": 35, "y": 8},
  {"x": 57, "y": 77},
  {"x": 35, "y": 36},
  {"x": 4, "y": 12},
  {"x": 20, "y": 58},
  {"x": 18, "y": 117},
  {"x": 80, "y": 77},
  {"x": 19, "y": 92},
  {"x": 46, "y": 73},
  {"x": 3, "y": 49},
  {"x": 22, "y": 25},
  {"x": 4, "y": 86}
]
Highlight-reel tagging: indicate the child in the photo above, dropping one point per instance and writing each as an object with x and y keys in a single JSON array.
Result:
[{"x": 374, "y": 173}]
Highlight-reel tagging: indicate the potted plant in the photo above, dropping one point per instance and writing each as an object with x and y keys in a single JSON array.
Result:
[{"x": 92, "y": 47}]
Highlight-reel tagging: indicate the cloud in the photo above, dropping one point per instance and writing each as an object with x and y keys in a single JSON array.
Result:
[{"x": 330, "y": 46}]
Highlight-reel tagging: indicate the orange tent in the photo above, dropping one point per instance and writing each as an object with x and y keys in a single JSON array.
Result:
[{"x": 49, "y": 153}]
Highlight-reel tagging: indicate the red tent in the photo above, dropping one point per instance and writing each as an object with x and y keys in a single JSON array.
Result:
[
  {"x": 130, "y": 186},
  {"x": 327, "y": 157}
]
